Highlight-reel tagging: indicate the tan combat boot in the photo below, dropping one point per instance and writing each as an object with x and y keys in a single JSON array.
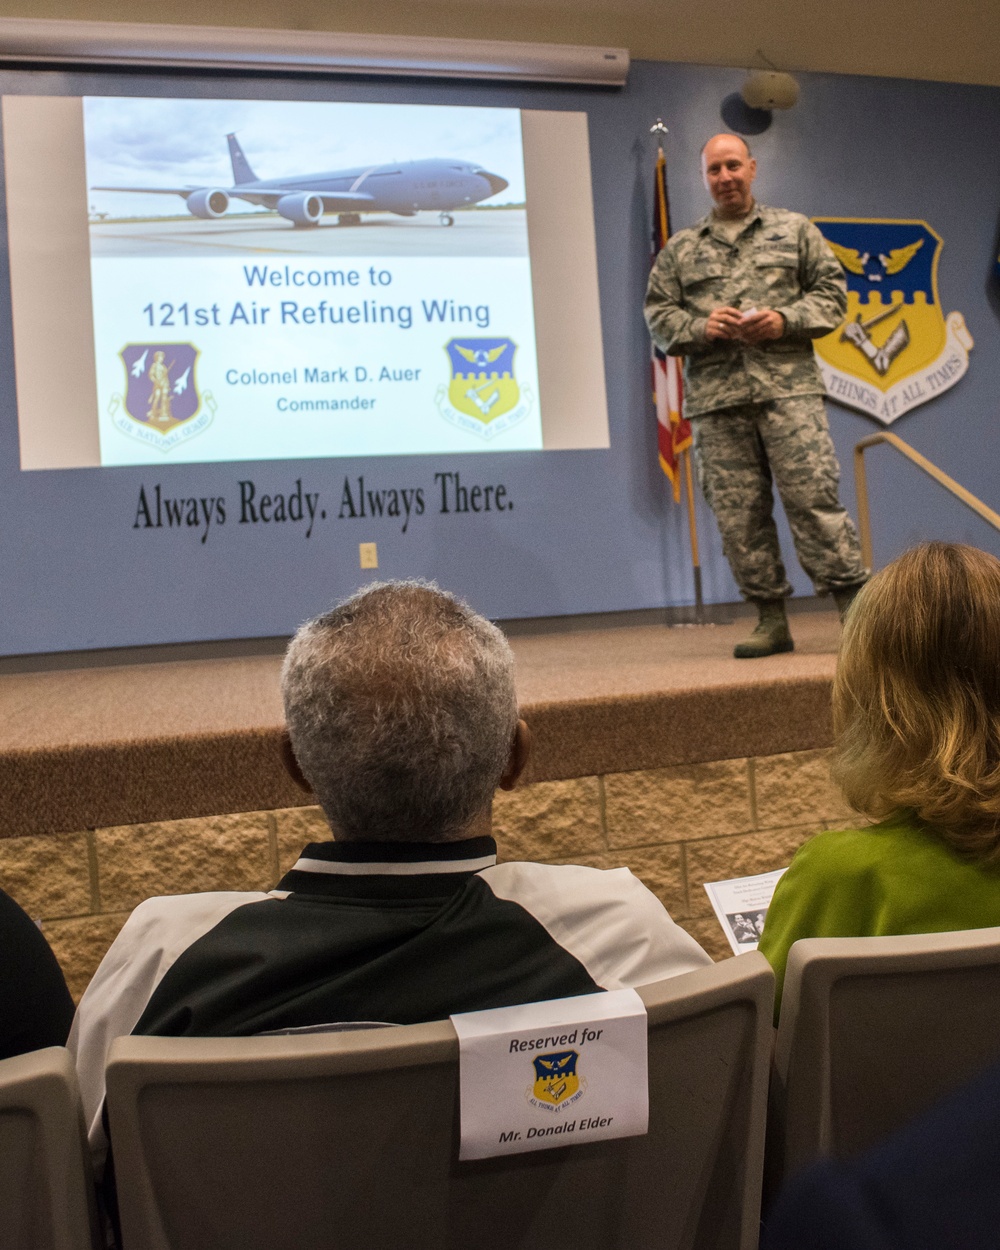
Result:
[{"x": 772, "y": 634}]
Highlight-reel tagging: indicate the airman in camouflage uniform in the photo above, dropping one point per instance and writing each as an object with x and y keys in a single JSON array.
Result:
[{"x": 741, "y": 296}]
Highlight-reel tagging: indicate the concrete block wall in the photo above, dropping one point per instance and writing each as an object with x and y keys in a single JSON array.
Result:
[{"x": 676, "y": 828}]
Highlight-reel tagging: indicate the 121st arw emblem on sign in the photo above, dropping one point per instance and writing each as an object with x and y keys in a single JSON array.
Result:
[
  {"x": 162, "y": 405},
  {"x": 557, "y": 1083},
  {"x": 896, "y": 349}
]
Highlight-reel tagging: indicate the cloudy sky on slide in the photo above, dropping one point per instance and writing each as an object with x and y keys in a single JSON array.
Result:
[{"x": 166, "y": 142}]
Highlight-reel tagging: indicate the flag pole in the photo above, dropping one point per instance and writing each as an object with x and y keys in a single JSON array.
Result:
[
  {"x": 699, "y": 603},
  {"x": 662, "y": 209}
]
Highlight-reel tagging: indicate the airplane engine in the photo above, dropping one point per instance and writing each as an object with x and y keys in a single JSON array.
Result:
[
  {"x": 304, "y": 209},
  {"x": 207, "y": 203}
]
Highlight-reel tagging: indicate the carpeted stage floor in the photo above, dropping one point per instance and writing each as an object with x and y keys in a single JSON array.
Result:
[{"x": 133, "y": 742}]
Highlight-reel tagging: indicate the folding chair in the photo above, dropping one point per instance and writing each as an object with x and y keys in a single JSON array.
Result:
[
  {"x": 46, "y": 1186},
  {"x": 351, "y": 1140},
  {"x": 872, "y": 1032}
]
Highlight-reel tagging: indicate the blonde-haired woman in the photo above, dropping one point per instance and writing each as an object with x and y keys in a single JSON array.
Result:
[{"x": 916, "y": 710}]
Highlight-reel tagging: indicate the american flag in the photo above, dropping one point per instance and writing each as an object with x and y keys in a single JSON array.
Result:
[{"x": 674, "y": 432}]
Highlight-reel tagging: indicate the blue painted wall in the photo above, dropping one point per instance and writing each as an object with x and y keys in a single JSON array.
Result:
[{"x": 590, "y": 531}]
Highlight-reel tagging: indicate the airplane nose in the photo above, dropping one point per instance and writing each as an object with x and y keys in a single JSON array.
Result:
[{"x": 496, "y": 182}]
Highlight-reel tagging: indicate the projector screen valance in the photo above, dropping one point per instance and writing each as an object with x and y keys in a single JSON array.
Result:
[{"x": 130, "y": 44}]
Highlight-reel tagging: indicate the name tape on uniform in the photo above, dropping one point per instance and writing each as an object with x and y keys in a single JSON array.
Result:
[{"x": 549, "y": 1074}]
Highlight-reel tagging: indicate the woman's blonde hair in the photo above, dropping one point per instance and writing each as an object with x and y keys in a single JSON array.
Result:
[{"x": 916, "y": 698}]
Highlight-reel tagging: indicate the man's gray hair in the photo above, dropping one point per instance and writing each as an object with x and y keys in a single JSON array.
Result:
[{"x": 401, "y": 709}]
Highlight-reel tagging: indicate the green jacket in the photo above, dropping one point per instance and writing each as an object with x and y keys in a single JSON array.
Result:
[
  {"x": 779, "y": 261},
  {"x": 891, "y": 878}
]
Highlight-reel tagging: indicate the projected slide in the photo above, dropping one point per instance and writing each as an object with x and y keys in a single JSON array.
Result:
[
  {"x": 341, "y": 312},
  {"x": 283, "y": 280}
]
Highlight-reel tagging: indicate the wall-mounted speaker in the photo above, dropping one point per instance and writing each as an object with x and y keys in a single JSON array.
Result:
[{"x": 770, "y": 89}]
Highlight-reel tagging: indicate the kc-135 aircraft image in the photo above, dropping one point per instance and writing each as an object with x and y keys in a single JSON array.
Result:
[{"x": 404, "y": 188}]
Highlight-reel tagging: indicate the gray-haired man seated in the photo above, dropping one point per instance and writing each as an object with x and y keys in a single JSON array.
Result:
[{"x": 402, "y": 719}]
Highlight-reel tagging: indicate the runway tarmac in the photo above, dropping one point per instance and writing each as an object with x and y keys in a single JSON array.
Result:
[{"x": 499, "y": 232}]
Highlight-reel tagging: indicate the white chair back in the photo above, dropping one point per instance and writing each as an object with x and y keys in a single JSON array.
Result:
[
  {"x": 350, "y": 1140},
  {"x": 46, "y": 1186},
  {"x": 872, "y": 1032}
]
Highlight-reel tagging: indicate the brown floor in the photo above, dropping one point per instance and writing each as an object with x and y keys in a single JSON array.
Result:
[
  {"x": 645, "y": 658},
  {"x": 91, "y": 747}
]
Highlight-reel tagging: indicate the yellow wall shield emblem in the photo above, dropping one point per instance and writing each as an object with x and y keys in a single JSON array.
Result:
[{"x": 895, "y": 348}]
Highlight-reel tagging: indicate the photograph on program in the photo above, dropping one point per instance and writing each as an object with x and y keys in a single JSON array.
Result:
[{"x": 747, "y": 926}]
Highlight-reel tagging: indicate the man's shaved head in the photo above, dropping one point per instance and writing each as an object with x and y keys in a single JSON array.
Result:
[{"x": 726, "y": 135}]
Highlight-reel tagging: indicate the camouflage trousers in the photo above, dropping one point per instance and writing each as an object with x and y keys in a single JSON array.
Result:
[{"x": 738, "y": 451}]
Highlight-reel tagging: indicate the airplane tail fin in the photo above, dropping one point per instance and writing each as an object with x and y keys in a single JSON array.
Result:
[{"x": 241, "y": 166}]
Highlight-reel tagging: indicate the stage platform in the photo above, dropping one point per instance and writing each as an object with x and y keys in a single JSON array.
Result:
[{"x": 125, "y": 743}]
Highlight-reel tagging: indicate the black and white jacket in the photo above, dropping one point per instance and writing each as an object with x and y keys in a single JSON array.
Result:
[{"x": 391, "y": 932}]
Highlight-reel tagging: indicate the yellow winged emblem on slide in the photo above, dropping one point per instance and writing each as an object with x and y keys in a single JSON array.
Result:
[
  {"x": 481, "y": 358},
  {"x": 483, "y": 396},
  {"x": 482, "y": 379}
]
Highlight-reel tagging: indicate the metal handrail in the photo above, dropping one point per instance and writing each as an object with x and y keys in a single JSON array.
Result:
[{"x": 939, "y": 475}]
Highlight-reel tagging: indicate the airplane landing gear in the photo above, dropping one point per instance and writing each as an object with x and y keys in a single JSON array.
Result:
[
  {"x": 446, "y": 219},
  {"x": 349, "y": 219}
]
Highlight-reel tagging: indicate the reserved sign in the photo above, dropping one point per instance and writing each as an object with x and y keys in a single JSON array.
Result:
[{"x": 548, "y": 1074}]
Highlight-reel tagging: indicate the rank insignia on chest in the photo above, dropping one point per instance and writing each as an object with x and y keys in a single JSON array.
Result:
[{"x": 895, "y": 349}]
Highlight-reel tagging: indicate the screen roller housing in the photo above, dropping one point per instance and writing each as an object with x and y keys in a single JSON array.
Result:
[
  {"x": 304, "y": 208},
  {"x": 208, "y": 203}
]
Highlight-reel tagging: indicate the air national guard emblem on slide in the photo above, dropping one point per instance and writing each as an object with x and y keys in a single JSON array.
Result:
[
  {"x": 557, "y": 1083},
  {"x": 896, "y": 349},
  {"x": 162, "y": 405},
  {"x": 483, "y": 396}
]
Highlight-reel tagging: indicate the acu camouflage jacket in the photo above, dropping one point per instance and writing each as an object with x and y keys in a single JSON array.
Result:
[{"x": 780, "y": 261}]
